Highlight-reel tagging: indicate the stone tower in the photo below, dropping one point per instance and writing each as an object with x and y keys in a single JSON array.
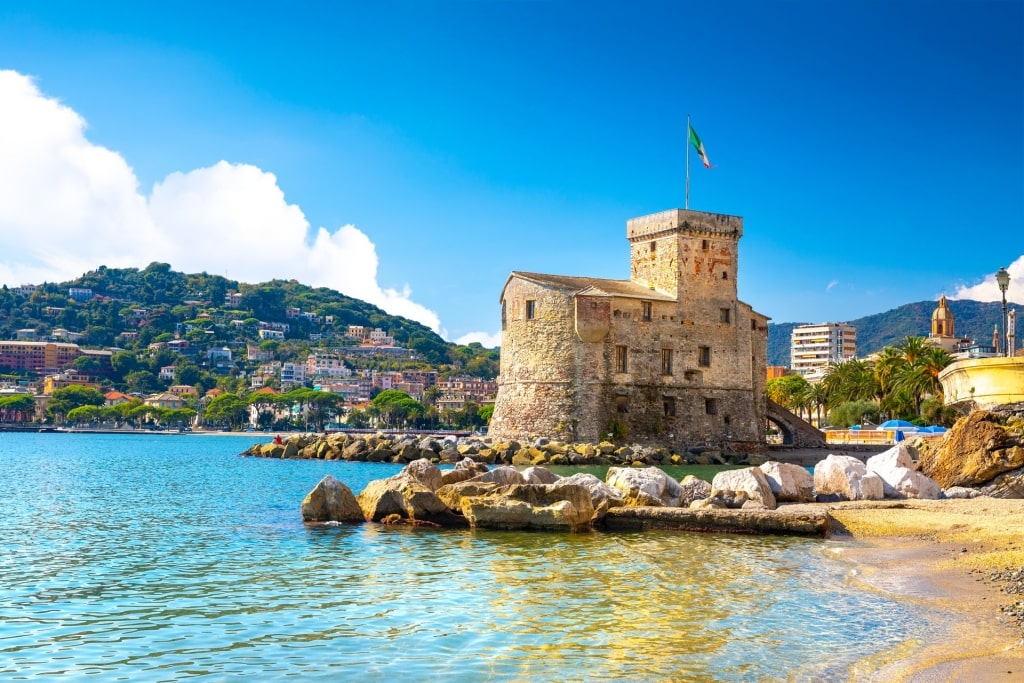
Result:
[{"x": 668, "y": 356}]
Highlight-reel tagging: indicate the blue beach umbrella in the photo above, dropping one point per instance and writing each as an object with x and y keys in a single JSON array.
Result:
[
  {"x": 897, "y": 424},
  {"x": 933, "y": 429}
]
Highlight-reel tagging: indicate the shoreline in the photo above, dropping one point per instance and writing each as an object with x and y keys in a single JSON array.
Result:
[{"x": 940, "y": 556}]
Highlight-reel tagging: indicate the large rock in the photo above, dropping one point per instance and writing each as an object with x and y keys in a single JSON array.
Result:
[
  {"x": 503, "y": 476},
  {"x": 425, "y": 472},
  {"x": 790, "y": 483},
  {"x": 694, "y": 489},
  {"x": 539, "y": 475},
  {"x": 648, "y": 486},
  {"x": 405, "y": 496},
  {"x": 899, "y": 478},
  {"x": 552, "y": 507},
  {"x": 1006, "y": 485},
  {"x": 973, "y": 452},
  {"x": 602, "y": 496},
  {"x": 749, "y": 480},
  {"x": 467, "y": 468},
  {"x": 452, "y": 494},
  {"x": 331, "y": 501},
  {"x": 842, "y": 477}
]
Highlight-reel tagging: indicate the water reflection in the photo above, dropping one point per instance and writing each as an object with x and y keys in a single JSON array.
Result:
[{"x": 179, "y": 560}]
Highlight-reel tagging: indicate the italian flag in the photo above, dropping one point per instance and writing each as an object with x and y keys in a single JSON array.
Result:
[{"x": 699, "y": 146}]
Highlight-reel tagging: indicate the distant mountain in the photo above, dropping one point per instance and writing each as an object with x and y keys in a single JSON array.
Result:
[{"x": 974, "y": 319}]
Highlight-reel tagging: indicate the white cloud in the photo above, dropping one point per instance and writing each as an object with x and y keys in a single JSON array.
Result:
[
  {"x": 830, "y": 285},
  {"x": 68, "y": 205},
  {"x": 487, "y": 340},
  {"x": 988, "y": 290}
]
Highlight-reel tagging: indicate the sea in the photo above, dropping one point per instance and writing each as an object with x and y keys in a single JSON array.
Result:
[{"x": 156, "y": 557}]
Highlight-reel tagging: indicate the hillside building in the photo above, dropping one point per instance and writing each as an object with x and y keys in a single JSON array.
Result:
[
  {"x": 669, "y": 356},
  {"x": 814, "y": 347},
  {"x": 943, "y": 332}
]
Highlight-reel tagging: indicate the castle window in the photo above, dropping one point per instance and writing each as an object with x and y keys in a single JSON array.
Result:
[
  {"x": 531, "y": 309},
  {"x": 654, "y": 247},
  {"x": 621, "y": 404},
  {"x": 666, "y": 361},
  {"x": 711, "y": 406},
  {"x": 647, "y": 310},
  {"x": 704, "y": 244},
  {"x": 724, "y": 315},
  {"x": 669, "y": 405},
  {"x": 704, "y": 356},
  {"x": 503, "y": 314},
  {"x": 753, "y": 324},
  {"x": 725, "y": 275},
  {"x": 621, "y": 359}
]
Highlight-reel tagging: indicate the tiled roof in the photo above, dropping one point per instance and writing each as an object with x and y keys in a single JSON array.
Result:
[{"x": 594, "y": 286}]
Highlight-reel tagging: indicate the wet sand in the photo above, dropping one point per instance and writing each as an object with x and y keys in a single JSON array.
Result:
[{"x": 941, "y": 554}]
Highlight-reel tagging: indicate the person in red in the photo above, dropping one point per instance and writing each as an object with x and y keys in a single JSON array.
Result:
[{"x": 277, "y": 440}]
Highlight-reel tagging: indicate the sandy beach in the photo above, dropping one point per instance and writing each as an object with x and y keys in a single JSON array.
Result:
[{"x": 943, "y": 555}]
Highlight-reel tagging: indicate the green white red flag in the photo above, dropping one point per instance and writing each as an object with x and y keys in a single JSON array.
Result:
[{"x": 699, "y": 146}]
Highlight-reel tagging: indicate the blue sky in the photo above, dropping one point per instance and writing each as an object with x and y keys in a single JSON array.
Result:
[{"x": 874, "y": 149}]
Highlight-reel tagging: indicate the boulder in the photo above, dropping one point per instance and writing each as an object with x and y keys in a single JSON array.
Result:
[
  {"x": 976, "y": 450},
  {"x": 549, "y": 507},
  {"x": 539, "y": 475},
  {"x": 842, "y": 477},
  {"x": 694, "y": 489},
  {"x": 603, "y": 496},
  {"x": 645, "y": 486},
  {"x": 1006, "y": 485},
  {"x": 425, "y": 472},
  {"x": 789, "y": 483},
  {"x": 452, "y": 494},
  {"x": 503, "y": 476},
  {"x": 961, "y": 492},
  {"x": 355, "y": 449},
  {"x": 750, "y": 480},
  {"x": 899, "y": 478},
  {"x": 406, "y": 497},
  {"x": 331, "y": 501},
  {"x": 464, "y": 469}
]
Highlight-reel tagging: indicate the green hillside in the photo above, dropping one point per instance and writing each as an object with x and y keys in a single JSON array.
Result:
[
  {"x": 974, "y": 319},
  {"x": 131, "y": 308}
]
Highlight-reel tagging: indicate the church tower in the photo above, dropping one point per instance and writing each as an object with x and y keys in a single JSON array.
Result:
[{"x": 943, "y": 322}]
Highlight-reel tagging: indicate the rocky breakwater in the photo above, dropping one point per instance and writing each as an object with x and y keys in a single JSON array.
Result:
[
  {"x": 983, "y": 454},
  {"x": 449, "y": 450},
  {"x": 471, "y": 495}
]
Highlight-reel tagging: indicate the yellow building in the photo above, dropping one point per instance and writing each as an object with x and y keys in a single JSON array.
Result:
[{"x": 983, "y": 383}]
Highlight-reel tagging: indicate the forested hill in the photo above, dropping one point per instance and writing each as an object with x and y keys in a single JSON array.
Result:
[
  {"x": 974, "y": 319},
  {"x": 157, "y": 300}
]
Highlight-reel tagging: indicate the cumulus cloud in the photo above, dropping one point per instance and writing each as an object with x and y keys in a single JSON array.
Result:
[
  {"x": 988, "y": 289},
  {"x": 487, "y": 340},
  {"x": 68, "y": 205}
]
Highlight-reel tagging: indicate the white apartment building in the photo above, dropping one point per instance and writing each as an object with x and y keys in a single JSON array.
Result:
[
  {"x": 814, "y": 347},
  {"x": 326, "y": 364},
  {"x": 293, "y": 374}
]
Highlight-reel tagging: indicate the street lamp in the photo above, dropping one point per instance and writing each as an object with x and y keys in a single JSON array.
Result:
[{"x": 1003, "y": 280}]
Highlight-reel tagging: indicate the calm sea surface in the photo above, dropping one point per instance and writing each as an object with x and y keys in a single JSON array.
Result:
[{"x": 156, "y": 557}]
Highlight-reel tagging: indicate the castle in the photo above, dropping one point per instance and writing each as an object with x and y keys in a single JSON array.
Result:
[{"x": 669, "y": 356}]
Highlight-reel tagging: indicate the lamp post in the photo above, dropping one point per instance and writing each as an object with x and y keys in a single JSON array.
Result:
[{"x": 1003, "y": 280}]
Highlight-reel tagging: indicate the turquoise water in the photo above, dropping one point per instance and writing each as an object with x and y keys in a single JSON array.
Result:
[{"x": 157, "y": 557}]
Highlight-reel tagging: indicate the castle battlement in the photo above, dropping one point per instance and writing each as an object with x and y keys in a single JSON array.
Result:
[{"x": 697, "y": 222}]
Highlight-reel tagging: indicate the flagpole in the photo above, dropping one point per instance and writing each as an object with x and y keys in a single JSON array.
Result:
[{"x": 687, "y": 144}]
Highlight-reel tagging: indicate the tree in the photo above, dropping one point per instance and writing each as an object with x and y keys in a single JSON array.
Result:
[
  {"x": 17, "y": 408},
  {"x": 786, "y": 390},
  {"x": 853, "y": 412},
  {"x": 66, "y": 399},
  {"x": 227, "y": 409}
]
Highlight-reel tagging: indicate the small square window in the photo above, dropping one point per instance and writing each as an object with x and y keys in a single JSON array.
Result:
[
  {"x": 647, "y": 310},
  {"x": 711, "y": 406},
  {"x": 668, "y": 403},
  {"x": 704, "y": 356},
  {"x": 724, "y": 315},
  {"x": 531, "y": 309},
  {"x": 704, "y": 244}
]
